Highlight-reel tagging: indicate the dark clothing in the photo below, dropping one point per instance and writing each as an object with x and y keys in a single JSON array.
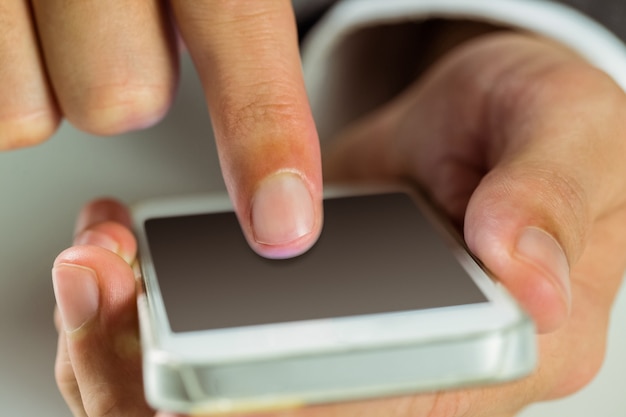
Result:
[{"x": 610, "y": 13}]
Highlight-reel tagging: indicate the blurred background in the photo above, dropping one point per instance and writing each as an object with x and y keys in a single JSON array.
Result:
[{"x": 41, "y": 191}]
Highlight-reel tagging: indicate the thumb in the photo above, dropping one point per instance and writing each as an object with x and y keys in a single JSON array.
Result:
[
  {"x": 557, "y": 171},
  {"x": 515, "y": 224},
  {"x": 98, "y": 367}
]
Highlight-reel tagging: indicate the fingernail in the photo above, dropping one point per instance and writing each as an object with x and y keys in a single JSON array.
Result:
[
  {"x": 92, "y": 237},
  {"x": 282, "y": 210},
  {"x": 543, "y": 250},
  {"x": 77, "y": 294}
]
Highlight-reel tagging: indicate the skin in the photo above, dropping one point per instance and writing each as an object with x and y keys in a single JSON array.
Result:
[
  {"x": 112, "y": 66},
  {"x": 509, "y": 134}
]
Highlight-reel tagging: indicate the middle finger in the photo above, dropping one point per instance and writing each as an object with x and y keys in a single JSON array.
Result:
[{"x": 112, "y": 63}]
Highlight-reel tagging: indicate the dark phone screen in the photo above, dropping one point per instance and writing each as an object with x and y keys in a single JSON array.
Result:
[{"x": 376, "y": 254}]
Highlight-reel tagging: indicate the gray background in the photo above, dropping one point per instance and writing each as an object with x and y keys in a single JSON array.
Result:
[{"x": 42, "y": 188}]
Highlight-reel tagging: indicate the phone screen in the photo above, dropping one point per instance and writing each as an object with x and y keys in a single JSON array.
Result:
[{"x": 376, "y": 254}]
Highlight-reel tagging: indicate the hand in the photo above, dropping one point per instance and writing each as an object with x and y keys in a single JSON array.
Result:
[
  {"x": 111, "y": 66},
  {"x": 518, "y": 139}
]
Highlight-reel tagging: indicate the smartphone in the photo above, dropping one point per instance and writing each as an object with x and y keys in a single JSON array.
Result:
[{"x": 387, "y": 302}]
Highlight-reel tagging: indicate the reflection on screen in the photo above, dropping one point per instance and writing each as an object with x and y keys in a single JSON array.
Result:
[{"x": 376, "y": 254}]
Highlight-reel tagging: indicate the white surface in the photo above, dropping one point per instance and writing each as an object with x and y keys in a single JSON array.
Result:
[{"x": 42, "y": 188}]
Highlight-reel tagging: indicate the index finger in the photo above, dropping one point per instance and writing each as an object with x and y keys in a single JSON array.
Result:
[{"x": 246, "y": 54}]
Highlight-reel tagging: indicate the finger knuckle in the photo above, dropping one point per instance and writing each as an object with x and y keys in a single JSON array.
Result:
[
  {"x": 579, "y": 88},
  {"x": 113, "y": 108},
  {"x": 571, "y": 83},
  {"x": 243, "y": 14},
  {"x": 263, "y": 113},
  {"x": 27, "y": 128},
  {"x": 554, "y": 190}
]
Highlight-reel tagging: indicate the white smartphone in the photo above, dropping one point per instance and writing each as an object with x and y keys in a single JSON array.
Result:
[{"x": 387, "y": 302}]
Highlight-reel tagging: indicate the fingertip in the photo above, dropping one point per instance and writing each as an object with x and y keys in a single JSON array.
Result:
[
  {"x": 95, "y": 291},
  {"x": 112, "y": 236},
  {"x": 542, "y": 251},
  {"x": 530, "y": 264},
  {"x": 97, "y": 238},
  {"x": 72, "y": 255},
  {"x": 283, "y": 211},
  {"x": 31, "y": 130},
  {"x": 109, "y": 267},
  {"x": 114, "y": 278},
  {"x": 115, "y": 110},
  {"x": 287, "y": 250},
  {"x": 102, "y": 210}
]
